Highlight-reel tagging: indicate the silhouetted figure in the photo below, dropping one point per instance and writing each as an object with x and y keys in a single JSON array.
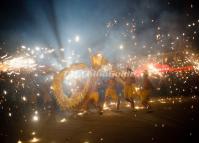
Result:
[
  {"x": 111, "y": 92},
  {"x": 146, "y": 91},
  {"x": 129, "y": 88}
]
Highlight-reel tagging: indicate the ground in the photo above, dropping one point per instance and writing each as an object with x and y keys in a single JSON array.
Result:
[{"x": 172, "y": 120}]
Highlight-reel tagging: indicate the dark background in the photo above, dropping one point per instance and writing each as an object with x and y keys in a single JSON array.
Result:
[{"x": 43, "y": 21}]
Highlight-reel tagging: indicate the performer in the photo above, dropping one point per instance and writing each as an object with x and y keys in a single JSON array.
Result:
[
  {"x": 129, "y": 88},
  {"x": 146, "y": 91},
  {"x": 111, "y": 92},
  {"x": 101, "y": 90},
  {"x": 119, "y": 90},
  {"x": 93, "y": 96}
]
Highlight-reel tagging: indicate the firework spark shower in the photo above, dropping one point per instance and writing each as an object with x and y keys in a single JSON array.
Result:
[{"x": 99, "y": 71}]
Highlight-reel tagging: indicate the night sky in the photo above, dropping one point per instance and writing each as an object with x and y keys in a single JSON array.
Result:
[
  {"x": 50, "y": 22},
  {"x": 49, "y": 47}
]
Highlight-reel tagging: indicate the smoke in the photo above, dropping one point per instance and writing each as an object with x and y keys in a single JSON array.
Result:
[
  {"x": 50, "y": 13},
  {"x": 141, "y": 27},
  {"x": 149, "y": 28}
]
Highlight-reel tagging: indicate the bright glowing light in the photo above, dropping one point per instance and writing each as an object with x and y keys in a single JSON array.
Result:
[
  {"x": 151, "y": 101},
  {"x": 63, "y": 120},
  {"x": 19, "y": 141},
  {"x": 18, "y": 63},
  {"x": 34, "y": 140},
  {"x": 35, "y": 118},
  {"x": 128, "y": 105},
  {"x": 162, "y": 101},
  {"x": 36, "y": 112},
  {"x": 5, "y": 92},
  {"x": 137, "y": 89},
  {"x": 121, "y": 47},
  {"x": 24, "y": 98},
  {"x": 139, "y": 107},
  {"x": 105, "y": 107},
  {"x": 81, "y": 113},
  {"x": 23, "y": 47},
  {"x": 99, "y": 55},
  {"x": 77, "y": 38},
  {"x": 153, "y": 70},
  {"x": 37, "y": 48},
  {"x": 113, "y": 103}
]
